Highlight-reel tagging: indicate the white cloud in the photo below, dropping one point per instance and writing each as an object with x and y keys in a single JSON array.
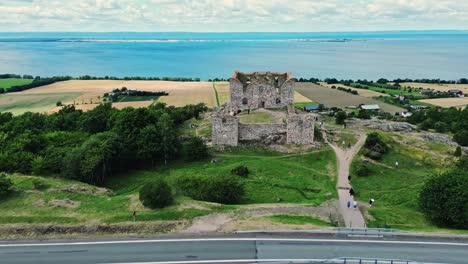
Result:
[{"x": 231, "y": 15}]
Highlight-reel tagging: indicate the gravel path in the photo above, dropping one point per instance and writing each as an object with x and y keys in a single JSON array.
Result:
[{"x": 352, "y": 217}]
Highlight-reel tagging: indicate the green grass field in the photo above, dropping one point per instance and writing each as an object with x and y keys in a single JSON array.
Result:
[
  {"x": 256, "y": 117},
  {"x": 7, "y": 83},
  {"x": 396, "y": 190},
  {"x": 19, "y": 103},
  {"x": 128, "y": 98},
  {"x": 295, "y": 178},
  {"x": 400, "y": 91}
]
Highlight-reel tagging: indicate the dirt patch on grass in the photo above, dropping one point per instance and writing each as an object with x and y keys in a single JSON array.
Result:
[
  {"x": 253, "y": 217},
  {"x": 66, "y": 203},
  {"x": 68, "y": 231}
]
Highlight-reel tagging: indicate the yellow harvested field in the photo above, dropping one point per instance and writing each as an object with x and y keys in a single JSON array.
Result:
[
  {"x": 299, "y": 98},
  {"x": 447, "y": 102},
  {"x": 361, "y": 92},
  {"x": 223, "y": 92},
  {"x": 180, "y": 93},
  {"x": 438, "y": 87},
  {"x": 87, "y": 94}
]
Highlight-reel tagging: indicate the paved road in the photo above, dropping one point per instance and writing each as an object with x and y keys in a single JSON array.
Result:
[
  {"x": 351, "y": 217},
  {"x": 234, "y": 248}
]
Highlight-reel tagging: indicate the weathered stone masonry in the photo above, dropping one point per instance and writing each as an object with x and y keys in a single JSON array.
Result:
[{"x": 250, "y": 91}]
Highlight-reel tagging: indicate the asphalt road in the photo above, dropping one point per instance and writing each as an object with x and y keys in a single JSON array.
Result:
[{"x": 234, "y": 249}]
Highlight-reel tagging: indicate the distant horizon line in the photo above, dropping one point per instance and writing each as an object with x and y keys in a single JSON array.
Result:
[{"x": 243, "y": 32}]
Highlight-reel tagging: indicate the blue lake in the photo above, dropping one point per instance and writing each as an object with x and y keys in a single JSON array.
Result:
[{"x": 371, "y": 55}]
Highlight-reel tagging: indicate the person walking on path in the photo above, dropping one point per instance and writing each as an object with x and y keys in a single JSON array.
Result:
[
  {"x": 354, "y": 204},
  {"x": 371, "y": 202},
  {"x": 351, "y": 192},
  {"x": 349, "y": 178},
  {"x": 396, "y": 164},
  {"x": 349, "y": 204}
]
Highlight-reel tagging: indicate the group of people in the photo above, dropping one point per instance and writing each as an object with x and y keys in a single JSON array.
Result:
[{"x": 351, "y": 193}]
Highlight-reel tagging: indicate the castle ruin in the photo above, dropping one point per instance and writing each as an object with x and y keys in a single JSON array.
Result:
[{"x": 267, "y": 92}]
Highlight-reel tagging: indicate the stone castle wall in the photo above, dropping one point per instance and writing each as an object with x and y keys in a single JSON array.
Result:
[
  {"x": 258, "y": 132},
  {"x": 261, "y": 90},
  {"x": 300, "y": 129},
  {"x": 225, "y": 130}
]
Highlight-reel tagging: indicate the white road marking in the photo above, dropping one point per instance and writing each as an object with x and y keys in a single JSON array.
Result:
[
  {"x": 225, "y": 261},
  {"x": 252, "y": 261},
  {"x": 235, "y": 239}
]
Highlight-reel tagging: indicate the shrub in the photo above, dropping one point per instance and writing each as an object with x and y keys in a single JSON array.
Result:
[
  {"x": 461, "y": 138},
  {"x": 373, "y": 154},
  {"x": 363, "y": 170},
  {"x": 458, "y": 152},
  {"x": 196, "y": 149},
  {"x": 156, "y": 194},
  {"x": 444, "y": 199},
  {"x": 39, "y": 185},
  {"x": 219, "y": 189},
  {"x": 341, "y": 117},
  {"x": 375, "y": 146},
  {"x": 240, "y": 171},
  {"x": 5, "y": 185}
]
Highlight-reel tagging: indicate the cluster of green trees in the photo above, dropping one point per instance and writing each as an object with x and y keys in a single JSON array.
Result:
[
  {"x": 91, "y": 146},
  {"x": 140, "y": 78},
  {"x": 375, "y": 147},
  {"x": 396, "y": 81},
  {"x": 347, "y": 90},
  {"x": 444, "y": 198},
  {"x": 444, "y": 120}
]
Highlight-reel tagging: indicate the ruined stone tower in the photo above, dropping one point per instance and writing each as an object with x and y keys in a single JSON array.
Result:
[{"x": 262, "y": 90}]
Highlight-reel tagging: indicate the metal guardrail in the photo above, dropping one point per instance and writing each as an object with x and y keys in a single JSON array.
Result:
[{"x": 353, "y": 260}]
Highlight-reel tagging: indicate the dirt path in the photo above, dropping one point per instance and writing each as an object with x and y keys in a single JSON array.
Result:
[
  {"x": 252, "y": 217},
  {"x": 352, "y": 218}
]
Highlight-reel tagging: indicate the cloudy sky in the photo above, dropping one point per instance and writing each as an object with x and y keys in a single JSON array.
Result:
[{"x": 231, "y": 15}]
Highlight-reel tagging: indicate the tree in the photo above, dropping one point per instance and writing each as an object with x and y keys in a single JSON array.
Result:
[
  {"x": 242, "y": 171},
  {"x": 341, "y": 117},
  {"x": 382, "y": 81},
  {"x": 441, "y": 127},
  {"x": 156, "y": 194},
  {"x": 461, "y": 138},
  {"x": 5, "y": 185},
  {"x": 196, "y": 149},
  {"x": 444, "y": 199},
  {"x": 458, "y": 152},
  {"x": 167, "y": 136},
  {"x": 149, "y": 144},
  {"x": 375, "y": 146},
  {"x": 364, "y": 114}
]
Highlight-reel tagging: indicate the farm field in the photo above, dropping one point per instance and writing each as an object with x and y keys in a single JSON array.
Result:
[
  {"x": 222, "y": 88},
  {"x": 332, "y": 97},
  {"x": 438, "y": 87},
  {"x": 9, "y": 82},
  {"x": 86, "y": 94},
  {"x": 19, "y": 103},
  {"x": 447, "y": 102},
  {"x": 306, "y": 178},
  {"x": 362, "y": 92}
]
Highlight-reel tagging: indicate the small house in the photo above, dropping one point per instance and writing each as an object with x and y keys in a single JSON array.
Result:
[
  {"x": 417, "y": 107},
  {"x": 457, "y": 92},
  {"x": 309, "y": 108},
  {"x": 373, "y": 107}
]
